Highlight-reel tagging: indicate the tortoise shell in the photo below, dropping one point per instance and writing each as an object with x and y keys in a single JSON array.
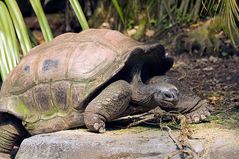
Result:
[{"x": 56, "y": 78}]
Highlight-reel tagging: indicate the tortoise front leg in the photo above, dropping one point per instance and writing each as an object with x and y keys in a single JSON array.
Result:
[
  {"x": 11, "y": 133},
  {"x": 108, "y": 105}
]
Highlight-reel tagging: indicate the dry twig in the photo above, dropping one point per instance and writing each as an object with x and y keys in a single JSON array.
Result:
[{"x": 183, "y": 146}]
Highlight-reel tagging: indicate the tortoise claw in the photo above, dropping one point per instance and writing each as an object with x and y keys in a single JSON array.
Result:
[
  {"x": 99, "y": 127},
  {"x": 94, "y": 122},
  {"x": 203, "y": 117},
  {"x": 199, "y": 114},
  {"x": 196, "y": 119}
]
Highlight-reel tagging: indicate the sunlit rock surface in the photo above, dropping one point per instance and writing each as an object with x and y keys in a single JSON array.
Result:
[{"x": 137, "y": 142}]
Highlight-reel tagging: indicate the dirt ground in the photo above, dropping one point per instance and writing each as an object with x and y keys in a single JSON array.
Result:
[{"x": 215, "y": 79}]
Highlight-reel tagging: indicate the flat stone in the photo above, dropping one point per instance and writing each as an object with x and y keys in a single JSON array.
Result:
[
  {"x": 81, "y": 144},
  {"x": 137, "y": 142},
  {"x": 219, "y": 143}
]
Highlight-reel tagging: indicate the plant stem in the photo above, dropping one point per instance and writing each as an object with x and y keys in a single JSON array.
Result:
[
  {"x": 119, "y": 11},
  {"x": 79, "y": 13},
  {"x": 8, "y": 41},
  {"x": 19, "y": 25},
  {"x": 37, "y": 7}
]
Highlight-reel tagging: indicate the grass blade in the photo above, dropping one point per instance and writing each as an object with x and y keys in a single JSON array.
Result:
[
  {"x": 4, "y": 70},
  {"x": 119, "y": 10},
  {"x": 229, "y": 13},
  {"x": 80, "y": 14},
  {"x": 19, "y": 25},
  {"x": 8, "y": 42},
  {"x": 45, "y": 28}
]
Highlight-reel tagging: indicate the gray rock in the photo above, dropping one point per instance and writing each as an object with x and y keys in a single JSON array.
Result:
[
  {"x": 137, "y": 142},
  {"x": 219, "y": 143},
  {"x": 80, "y": 144}
]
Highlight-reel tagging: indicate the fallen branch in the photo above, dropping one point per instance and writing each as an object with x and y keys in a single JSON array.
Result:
[{"x": 183, "y": 146}]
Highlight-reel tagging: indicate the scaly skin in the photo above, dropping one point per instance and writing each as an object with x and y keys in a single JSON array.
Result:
[
  {"x": 11, "y": 132},
  {"x": 113, "y": 101},
  {"x": 107, "y": 106}
]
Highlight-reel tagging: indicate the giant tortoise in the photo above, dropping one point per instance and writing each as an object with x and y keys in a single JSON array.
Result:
[{"x": 87, "y": 78}]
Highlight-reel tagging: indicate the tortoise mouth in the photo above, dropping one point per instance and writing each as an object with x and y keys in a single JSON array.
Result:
[{"x": 168, "y": 104}]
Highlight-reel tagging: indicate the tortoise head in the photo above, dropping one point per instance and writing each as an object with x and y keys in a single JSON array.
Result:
[
  {"x": 151, "y": 95},
  {"x": 164, "y": 94}
]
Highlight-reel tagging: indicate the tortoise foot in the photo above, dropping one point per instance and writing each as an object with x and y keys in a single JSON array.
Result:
[
  {"x": 200, "y": 114},
  {"x": 100, "y": 127},
  {"x": 5, "y": 156},
  {"x": 95, "y": 123}
]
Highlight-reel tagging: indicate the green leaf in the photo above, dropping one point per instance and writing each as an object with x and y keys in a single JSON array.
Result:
[
  {"x": 229, "y": 12},
  {"x": 4, "y": 70},
  {"x": 19, "y": 25},
  {"x": 8, "y": 42},
  {"x": 79, "y": 13},
  {"x": 45, "y": 28},
  {"x": 119, "y": 10}
]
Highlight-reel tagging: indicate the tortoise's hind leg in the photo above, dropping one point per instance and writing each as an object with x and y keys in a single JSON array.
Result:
[{"x": 11, "y": 134}]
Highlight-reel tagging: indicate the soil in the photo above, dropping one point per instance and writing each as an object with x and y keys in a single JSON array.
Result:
[{"x": 215, "y": 79}]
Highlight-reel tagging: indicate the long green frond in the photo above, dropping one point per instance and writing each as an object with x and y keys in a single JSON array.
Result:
[
  {"x": 119, "y": 10},
  {"x": 79, "y": 13},
  {"x": 8, "y": 42},
  {"x": 45, "y": 28},
  {"x": 230, "y": 14},
  {"x": 19, "y": 25}
]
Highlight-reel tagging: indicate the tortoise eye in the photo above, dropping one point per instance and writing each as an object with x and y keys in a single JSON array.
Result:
[{"x": 168, "y": 95}]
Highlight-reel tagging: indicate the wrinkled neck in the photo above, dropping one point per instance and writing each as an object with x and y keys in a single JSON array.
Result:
[{"x": 142, "y": 94}]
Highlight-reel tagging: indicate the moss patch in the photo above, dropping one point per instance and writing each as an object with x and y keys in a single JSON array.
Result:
[
  {"x": 227, "y": 119},
  {"x": 22, "y": 109}
]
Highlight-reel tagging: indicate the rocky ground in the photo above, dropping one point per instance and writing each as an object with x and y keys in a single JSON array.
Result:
[{"x": 141, "y": 142}]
